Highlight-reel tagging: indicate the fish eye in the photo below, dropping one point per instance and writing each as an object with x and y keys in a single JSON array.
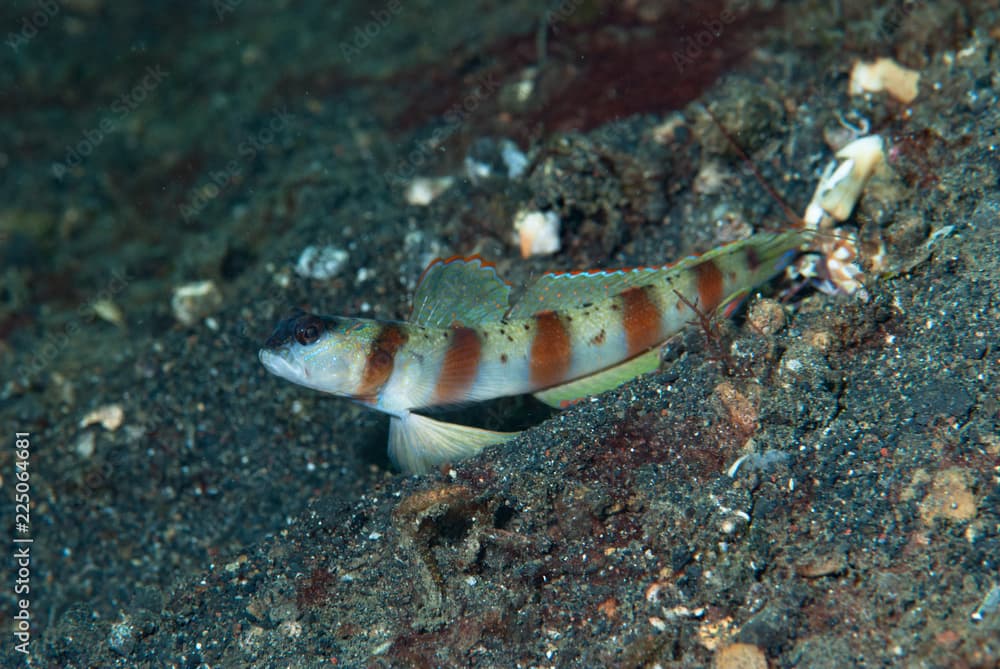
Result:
[{"x": 307, "y": 331}]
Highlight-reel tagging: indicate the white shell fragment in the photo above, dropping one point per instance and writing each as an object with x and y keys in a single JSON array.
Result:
[
  {"x": 840, "y": 187},
  {"x": 836, "y": 194},
  {"x": 884, "y": 74},
  {"x": 423, "y": 190},
  {"x": 109, "y": 311},
  {"x": 537, "y": 232},
  {"x": 194, "y": 301},
  {"x": 321, "y": 262},
  {"x": 515, "y": 159},
  {"x": 109, "y": 416}
]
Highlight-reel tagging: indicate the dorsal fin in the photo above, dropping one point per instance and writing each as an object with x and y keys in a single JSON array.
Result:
[
  {"x": 561, "y": 290},
  {"x": 459, "y": 290}
]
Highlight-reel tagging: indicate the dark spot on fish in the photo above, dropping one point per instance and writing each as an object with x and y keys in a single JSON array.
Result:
[{"x": 503, "y": 358}]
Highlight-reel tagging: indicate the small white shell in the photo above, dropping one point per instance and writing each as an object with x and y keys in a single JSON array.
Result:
[
  {"x": 321, "y": 262},
  {"x": 537, "y": 232},
  {"x": 884, "y": 74},
  {"x": 423, "y": 190},
  {"x": 194, "y": 301},
  {"x": 109, "y": 416}
]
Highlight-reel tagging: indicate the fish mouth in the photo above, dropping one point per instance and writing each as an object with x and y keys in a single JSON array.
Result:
[{"x": 282, "y": 364}]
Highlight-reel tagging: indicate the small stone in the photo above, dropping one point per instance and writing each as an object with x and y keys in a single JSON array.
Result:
[
  {"x": 975, "y": 349},
  {"x": 321, "y": 262},
  {"x": 537, "y": 232},
  {"x": 109, "y": 416},
  {"x": 825, "y": 564},
  {"x": 821, "y": 340},
  {"x": 122, "y": 638},
  {"x": 193, "y": 301},
  {"x": 109, "y": 311},
  {"x": 423, "y": 190},
  {"x": 85, "y": 445},
  {"x": 742, "y": 410},
  {"x": 609, "y": 608},
  {"x": 884, "y": 74},
  {"x": 740, "y": 656},
  {"x": 949, "y": 498},
  {"x": 766, "y": 316},
  {"x": 291, "y": 628}
]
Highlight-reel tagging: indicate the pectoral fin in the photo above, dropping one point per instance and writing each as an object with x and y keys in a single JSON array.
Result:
[
  {"x": 612, "y": 377},
  {"x": 417, "y": 443}
]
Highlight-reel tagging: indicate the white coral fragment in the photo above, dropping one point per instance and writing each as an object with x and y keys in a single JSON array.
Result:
[
  {"x": 537, "y": 232},
  {"x": 423, "y": 190},
  {"x": 194, "y": 301},
  {"x": 840, "y": 188},
  {"x": 884, "y": 74},
  {"x": 321, "y": 262},
  {"x": 109, "y": 416}
]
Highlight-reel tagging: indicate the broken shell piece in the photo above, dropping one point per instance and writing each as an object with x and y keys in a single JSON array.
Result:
[
  {"x": 193, "y": 301},
  {"x": 320, "y": 262},
  {"x": 537, "y": 232},
  {"x": 423, "y": 190},
  {"x": 109, "y": 311},
  {"x": 514, "y": 158},
  {"x": 840, "y": 188},
  {"x": 109, "y": 416},
  {"x": 884, "y": 74}
]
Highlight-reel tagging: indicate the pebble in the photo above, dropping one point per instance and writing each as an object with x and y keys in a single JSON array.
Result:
[
  {"x": 884, "y": 74},
  {"x": 85, "y": 445},
  {"x": 740, "y": 656},
  {"x": 766, "y": 316},
  {"x": 830, "y": 563},
  {"x": 949, "y": 498},
  {"x": 537, "y": 232},
  {"x": 741, "y": 409},
  {"x": 423, "y": 190},
  {"x": 122, "y": 638},
  {"x": 193, "y": 301},
  {"x": 321, "y": 262},
  {"x": 109, "y": 416}
]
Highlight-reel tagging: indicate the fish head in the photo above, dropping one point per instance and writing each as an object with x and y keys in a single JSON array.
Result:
[{"x": 319, "y": 352}]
